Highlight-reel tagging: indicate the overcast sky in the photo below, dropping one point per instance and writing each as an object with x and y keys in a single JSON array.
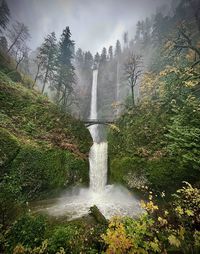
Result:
[{"x": 93, "y": 23}]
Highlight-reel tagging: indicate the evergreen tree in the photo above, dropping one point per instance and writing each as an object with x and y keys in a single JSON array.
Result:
[
  {"x": 4, "y": 15},
  {"x": 118, "y": 49},
  {"x": 79, "y": 58},
  {"x": 65, "y": 78},
  {"x": 104, "y": 55},
  {"x": 138, "y": 31},
  {"x": 110, "y": 53},
  {"x": 96, "y": 59},
  {"x": 88, "y": 60},
  {"x": 47, "y": 58},
  {"x": 125, "y": 39}
]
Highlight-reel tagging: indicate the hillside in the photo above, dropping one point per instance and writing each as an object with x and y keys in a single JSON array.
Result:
[{"x": 41, "y": 148}]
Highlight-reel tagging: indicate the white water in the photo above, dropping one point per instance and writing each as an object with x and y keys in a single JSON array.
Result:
[
  {"x": 98, "y": 151},
  {"x": 110, "y": 199}
]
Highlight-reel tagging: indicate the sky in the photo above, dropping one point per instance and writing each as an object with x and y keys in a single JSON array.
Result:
[{"x": 93, "y": 23}]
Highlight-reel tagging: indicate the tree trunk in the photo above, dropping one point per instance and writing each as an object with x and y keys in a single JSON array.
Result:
[
  {"x": 19, "y": 63},
  {"x": 15, "y": 40},
  {"x": 36, "y": 76},
  {"x": 132, "y": 95},
  {"x": 45, "y": 80}
]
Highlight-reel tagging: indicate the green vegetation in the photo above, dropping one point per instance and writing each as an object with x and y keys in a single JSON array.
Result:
[
  {"x": 154, "y": 146},
  {"x": 42, "y": 150},
  {"x": 35, "y": 234},
  {"x": 172, "y": 230}
]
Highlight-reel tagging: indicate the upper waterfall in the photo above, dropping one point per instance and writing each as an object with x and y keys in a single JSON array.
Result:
[
  {"x": 93, "y": 106},
  {"x": 98, "y": 151}
]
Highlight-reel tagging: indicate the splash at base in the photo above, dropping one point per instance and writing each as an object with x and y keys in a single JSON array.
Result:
[{"x": 113, "y": 200}]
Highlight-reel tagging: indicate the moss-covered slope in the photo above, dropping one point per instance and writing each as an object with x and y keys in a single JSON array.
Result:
[{"x": 41, "y": 148}]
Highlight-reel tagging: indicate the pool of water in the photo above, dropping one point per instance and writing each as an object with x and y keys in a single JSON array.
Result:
[{"x": 112, "y": 200}]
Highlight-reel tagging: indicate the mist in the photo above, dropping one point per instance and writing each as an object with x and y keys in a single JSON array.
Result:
[{"x": 94, "y": 24}]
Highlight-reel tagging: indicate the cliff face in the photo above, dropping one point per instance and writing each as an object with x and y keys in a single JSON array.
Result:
[{"x": 41, "y": 148}]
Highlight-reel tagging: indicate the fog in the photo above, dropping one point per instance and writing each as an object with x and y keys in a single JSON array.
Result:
[{"x": 94, "y": 24}]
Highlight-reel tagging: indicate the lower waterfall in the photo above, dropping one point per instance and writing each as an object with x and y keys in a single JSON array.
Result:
[{"x": 98, "y": 166}]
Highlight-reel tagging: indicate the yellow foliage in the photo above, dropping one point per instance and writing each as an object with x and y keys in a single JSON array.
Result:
[
  {"x": 19, "y": 249},
  {"x": 181, "y": 233},
  {"x": 197, "y": 238},
  {"x": 179, "y": 210},
  {"x": 162, "y": 221},
  {"x": 174, "y": 241},
  {"x": 149, "y": 206},
  {"x": 114, "y": 127},
  {"x": 61, "y": 251},
  {"x": 190, "y": 55},
  {"x": 191, "y": 83},
  {"x": 155, "y": 245},
  {"x": 116, "y": 238}
]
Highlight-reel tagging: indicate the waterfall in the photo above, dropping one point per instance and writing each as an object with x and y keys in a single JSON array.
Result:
[
  {"x": 118, "y": 87},
  {"x": 93, "y": 106},
  {"x": 98, "y": 151},
  {"x": 110, "y": 199}
]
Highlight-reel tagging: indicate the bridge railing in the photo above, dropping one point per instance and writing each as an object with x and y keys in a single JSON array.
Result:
[{"x": 98, "y": 121}]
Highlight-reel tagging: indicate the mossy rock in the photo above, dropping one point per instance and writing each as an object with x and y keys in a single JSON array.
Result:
[
  {"x": 120, "y": 167},
  {"x": 39, "y": 169},
  {"x": 9, "y": 147},
  {"x": 99, "y": 217}
]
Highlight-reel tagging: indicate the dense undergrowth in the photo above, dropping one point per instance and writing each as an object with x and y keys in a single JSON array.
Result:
[
  {"x": 160, "y": 145},
  {"x": 174, "y": 229}
]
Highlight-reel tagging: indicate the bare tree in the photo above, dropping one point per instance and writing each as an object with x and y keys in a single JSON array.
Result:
[
  {"x": 17, "y": 35},
  {"x": 20, "y": 54},
  {"x": 132, "y": 72},
  {"x": 184, "y": 41}
]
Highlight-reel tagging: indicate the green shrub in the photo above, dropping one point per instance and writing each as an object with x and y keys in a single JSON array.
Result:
[
  {"x": 4, "y": 78},
  {"x": 15, "y": 76},
  {"x": 162, "y": 173},
  {"x": 173, "y": 230},
  {"x": 168, "y": 174},
  {"x": 9, "y": 147},
  {"x": 28, "y": 231},
  {"x": 10, "y": 203},
  {"x": 67, "y": 237},
  {"x": 122, "y": 166},
  {"x": 27, "y": 81}
]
